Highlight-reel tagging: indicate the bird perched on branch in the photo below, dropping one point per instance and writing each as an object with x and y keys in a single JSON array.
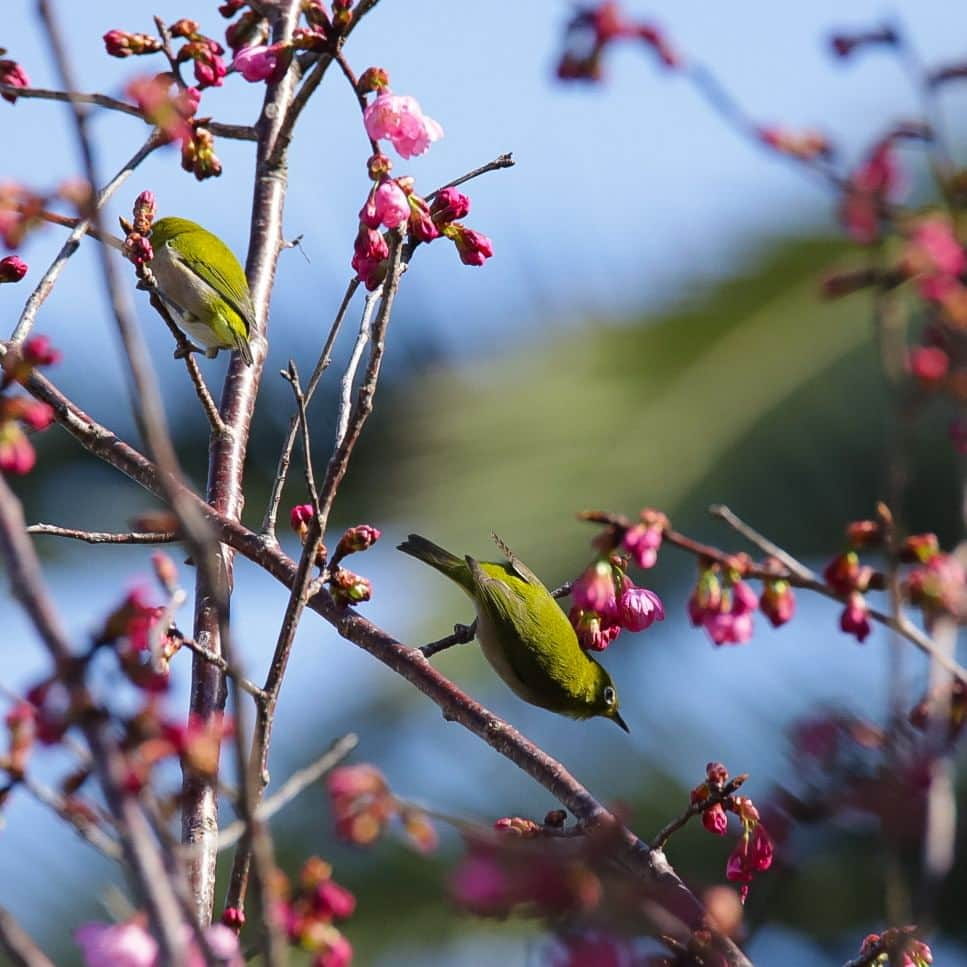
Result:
[
  {"x": 203, "y": 285},
  {"x": 524, "y": 634}
]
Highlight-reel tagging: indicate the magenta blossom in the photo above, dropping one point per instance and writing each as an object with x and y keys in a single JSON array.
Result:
[
  {"x": 594, "y": 632},
  {"x": 778, "y": 603},
  {"x": 450, "y": 205},
  {"x": 13, "y": 74},
  {"x": 855, "y": 619},
  {"x": 594, "y": 590},
  {"x": 639, "y": 608},
  {"x": 473, "y": 247},
  {"x": 117, "y": 945},
  {"x": 642, "y": 542},
  {"x": 399, "y": 120},
  {"x": 257, "y": 63}
]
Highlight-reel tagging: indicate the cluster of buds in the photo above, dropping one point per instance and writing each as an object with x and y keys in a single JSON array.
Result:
[
  {"x": 198, "y": 153},
  {"x": 593, "y": 29},
  {"x": 130, "y": 943},
  {"x": 204, "y": 52},
  {"x": 309, "y": 913},
  {"x": 21, "y": 414},
  {"x": 605, "y": 601},
  {"x": 937, "y": 582},
  {"x": 137, "y": 233},
  {"x": 897, "y": 945},
  {"x": 13, "y": 75},
  {"x": 119, "y": 43},
  {"x": 724, "y": 604},
  {"x": 364, "y": 806},
  {"x": 754, "y": 850}
]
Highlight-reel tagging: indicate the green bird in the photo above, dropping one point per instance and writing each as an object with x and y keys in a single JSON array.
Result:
[
  {"x": 203, "y": 285},
  {"x": 524, "y": 634}
]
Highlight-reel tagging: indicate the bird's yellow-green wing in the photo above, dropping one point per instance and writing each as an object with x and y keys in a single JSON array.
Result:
[{"x": 230, "y": 282}]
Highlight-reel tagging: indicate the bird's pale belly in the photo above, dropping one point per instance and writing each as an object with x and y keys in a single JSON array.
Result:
[
  {"x": 186, "y": 297},
  {"x": 494, "y": 653}
]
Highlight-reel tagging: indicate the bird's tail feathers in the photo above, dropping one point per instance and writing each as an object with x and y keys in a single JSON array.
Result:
[{"x": 434, "y": 555}]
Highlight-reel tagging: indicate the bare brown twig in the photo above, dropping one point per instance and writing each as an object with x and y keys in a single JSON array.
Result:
[
  {"x": 237, "y": 132},
  {"x": 104, "y": 537}
]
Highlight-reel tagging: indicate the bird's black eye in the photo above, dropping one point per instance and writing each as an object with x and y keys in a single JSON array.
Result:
[{"x": 609, "y": 696}]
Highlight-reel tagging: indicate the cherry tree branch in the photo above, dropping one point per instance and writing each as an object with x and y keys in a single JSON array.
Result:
[
  {"x": 18, "y": 944},
  {"x": 104, "y": 537},
  {"x": 236, "y": 132}
]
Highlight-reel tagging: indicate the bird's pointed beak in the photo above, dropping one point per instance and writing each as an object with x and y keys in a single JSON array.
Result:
[{"x": 618, "y": 720}]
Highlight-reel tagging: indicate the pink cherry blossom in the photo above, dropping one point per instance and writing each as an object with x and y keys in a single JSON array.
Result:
[
  {"x": 392, "y": 205},
  {"x": 473, "y": 247},
  {"x": 399, "y": 120},
  {"x": 117, "y": 945},
  {"x": 642, "y": 542},
  {"x": 639, "y": 608},
  {"x": 12, "y": 269},
  {"x": 594, "y": 590}
]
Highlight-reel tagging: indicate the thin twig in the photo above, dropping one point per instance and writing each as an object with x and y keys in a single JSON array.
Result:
[
  {"x": 46, "y": 283},
  {"x": 763, "y": 543},
  {"x": 501, "y": 161},
  {"x": 92, "y": 834},
  {"x": 186, "y": 351},
  {"x": 292, "y": 788},
  {"x": 237, "y": 132},
  {"x": 661, "y": 838},
  {"x": 285, "y": 456},
  {"x": 350, "y": 425},
  {"x": 18, "y": 945},
  {"x": 105, "y": 537},
  {"x": 222, "y": 665}
]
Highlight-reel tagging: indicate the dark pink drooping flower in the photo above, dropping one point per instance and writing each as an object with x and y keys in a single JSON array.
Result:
[
  {"x": 594, "y": 590},
  {"x": 643, "y": 542},
  {"x": 855, "y": 619},
  {"x": 594, "y": 632},
  {"x": 473, "y": 247},
  {"x": 449, "y": 205},
  {"x": 777, "y": 602},
  {"x": 638, "y": 608}
]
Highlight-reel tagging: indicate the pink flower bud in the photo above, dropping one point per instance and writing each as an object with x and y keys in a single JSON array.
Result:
[
  {"x": 594, "y": 590},
  {"x": 449, "y": 205},
  {"x": 777, "y": 603},
  {"x": 715, "y": 820},
  {"x": 13, "y": 74},
  {"x": 358, "y": 538},
  {"x": 474, "y": 248},
  {"x": 299, "y": 518},
  {"x": 333, "y": 901},
  {"x": 198, "y": 154},
  {"x": 373, "y": 79},
  {"x": 37, "y": 415},
  {"x": 12, "y": 269},
  {"x": 258, "y": 63},
  {"x": 391, "y": 204},
  {"x": 17, "y": 456},
  {"x": 118, "y": 43},
  {"x": 744, "y": 599},
  {"x": 420, "y": 224},
  {"x": 233, "y": 917},
  {"x": 855, "y": 619},
  {"x": 145, "y": 208}
]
